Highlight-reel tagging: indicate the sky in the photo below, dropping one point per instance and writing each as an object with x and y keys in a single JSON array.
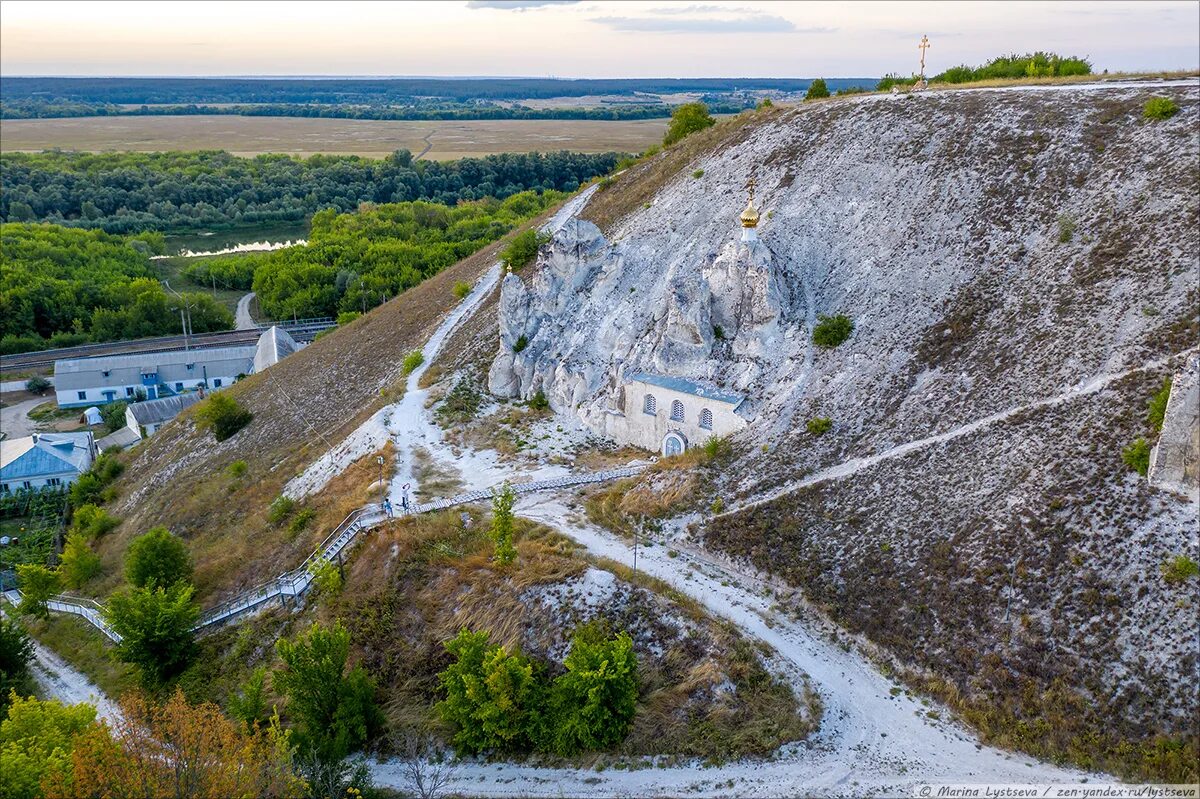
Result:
[{"x": 561, "y": 38}]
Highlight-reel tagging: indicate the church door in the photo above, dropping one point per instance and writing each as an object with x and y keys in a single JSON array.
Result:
[{"x": 673, "y": 444}]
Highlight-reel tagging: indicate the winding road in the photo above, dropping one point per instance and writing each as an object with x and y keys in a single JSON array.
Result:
[{"x": 243, "y": 319}]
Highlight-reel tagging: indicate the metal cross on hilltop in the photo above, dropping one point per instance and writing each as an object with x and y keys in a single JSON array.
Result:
[{"x": 924, "y": 45}]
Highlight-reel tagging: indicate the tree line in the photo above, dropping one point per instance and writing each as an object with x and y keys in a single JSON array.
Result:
[
  {"x": 129, "y": 192},
  {"x": 1007, "y": 67},
  {"x": 64, "y": 286}
]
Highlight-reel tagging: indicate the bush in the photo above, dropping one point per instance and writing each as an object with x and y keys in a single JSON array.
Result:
[
  {"x": 1160, "y": 108},
  {"x": 592, "y": 705},
  {"x": 113, "y": 415},
  {"x": 524, "y": 248},
  {"x": 893, "y": 79},
  {"x": 817, "y": 90},
  {"x": 280, "y": 509},
  {"x": 686, "y": 120},
  {"x": 1158, "y": 406},
  {"x": 79, "y": 563},
  {"x": 346, "y": 317},
  {"x": 327, "y": 577},
  {"x": 461, "y": 404},
  {"x": 764, "y": 103},
  {"x": 412, "y": 361},
  {"x": 237, "y": 469},
  {"x": 37, "y": 385},
  {"x": 492, "y": 697},
  {"x": 502, "y": 524},
  {"x": 38, "y": 584},
  {"x": 462, "y": 289},
  {"x": 538, "y": 401},
  {"x": 1137, "y": 456},
  {"x": 92, "y": 522},
  {"x": 699, "y": 173},
  {"x": 89, "y": 489},
  {"x": 1066, "y": 228},
  {"x": 301, "y": 521},
  {"x": 832, "y": 331},
  {"x": 155, "y": 625},
  {"x": 157, "y": 559},
  {"x": 16, "y": 652},
  {"x": 819, "y": 425},
  {"x": 717, "y": 448},
  {"x": 223, "y": 415},
  {"x": 1179, "y": 569},
  {"x": 521, "y": 344}
]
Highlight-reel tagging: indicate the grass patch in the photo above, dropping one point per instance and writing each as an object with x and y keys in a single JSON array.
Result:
[
  {"x": 411, "y": 362},
  {"x": 86, "y": 649},
  {"x": 1157, "y": 108},
  {"x": 1179, "y": 569},
  {"x": 819, "y": 425}
]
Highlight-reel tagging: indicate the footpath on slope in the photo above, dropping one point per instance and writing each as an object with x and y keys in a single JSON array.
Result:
[{"x": 856, "y": 465}]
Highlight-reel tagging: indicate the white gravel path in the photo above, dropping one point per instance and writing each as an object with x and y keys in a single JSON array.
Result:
[{"x": 244, "y": 320}]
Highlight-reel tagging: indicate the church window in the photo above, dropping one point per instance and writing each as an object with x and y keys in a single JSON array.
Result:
[
  {"x": 676, "y": 411},
  {"x": 706, "y": 419},
  {"x": 650, "y": 405}
]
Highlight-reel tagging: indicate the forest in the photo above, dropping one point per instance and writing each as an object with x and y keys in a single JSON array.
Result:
[
  {"x": 356, "y": 261},
  {"x": 131, "y": 192},
  {"x": 63, "y": 286}
]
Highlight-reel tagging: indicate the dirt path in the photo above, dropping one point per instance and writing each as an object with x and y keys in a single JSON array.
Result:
[{"x": 428, "y": 145}]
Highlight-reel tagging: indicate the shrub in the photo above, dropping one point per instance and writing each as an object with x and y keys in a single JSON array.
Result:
[
  {"x": 155, "y": 625},
  {"x": 592, "y": 705},
  {"x": 237, "y": 469},
  {"x": 1160, "y": 108},
  {"x": 223, "y": 415},
  {"x": 605, "y": 183},
  {"x": 764, "y": 103},
  {"x": 301, "y": 521},
  {"x": 1158, "y": 406},
  {"x": 1180, "y": 568},
  {"x": 699, "y": 173},
  {"x": 38, "y": 584},
  {"x": 832, "y": 331},
  {"x": 717, "y": 448},
  {"x": 92, "y": 521},
  {"x": 79, "y": 563},
  {"x": 89, "y": 488},
  {"x": 1137, "y": 456},
  {"x": 686, "y": 120},
  {"x": 462, "y": 289},
  {"x": 538, "y": 401},
  {"x": 717, "y": 506},
  {"x": 16, "y": 652},
  {"x": 817, "y": 90},
  {"x": 718, "y": 333},
  {"x": 37, "y": 385},
  {"x": 521, "y": 343},
  {"x": 280, "y": 509},
  {"x": 412, "y": 361},
  {"x": 157, "y": 558},
  {"x": 893, "y": 79},
  {"x": 524, "y": 247},
  {"x": 113, "y": 415},
  {"x": 502, "y": 524},
  {"x": 461, "y": 404},
  {"x": 327, "y": 577},
  {"x": 1066, "y": 228},
  {"x": 492, "y": 697},
  {"x": 36, "y": 741},
  {"x": 819, "y": 425}
]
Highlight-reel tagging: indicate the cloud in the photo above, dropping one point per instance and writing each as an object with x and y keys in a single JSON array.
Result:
[
  {"x": 756, "y": 23},
  {"x": 517, "y": 5},
  {"x": 701, "y": 9}
]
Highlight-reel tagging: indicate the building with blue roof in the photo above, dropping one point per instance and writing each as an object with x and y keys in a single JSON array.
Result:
[{"x": 45, "y": 460}]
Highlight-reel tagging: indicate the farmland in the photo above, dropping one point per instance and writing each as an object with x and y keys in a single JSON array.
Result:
[{"x": 308, "y": 136}]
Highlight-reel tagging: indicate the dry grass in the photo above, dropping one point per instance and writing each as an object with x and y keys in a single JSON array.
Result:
[
  {"x": 433, "y": 481},
  {"x": 308, "y": 136},
  {"x": 85, "y": 648}
]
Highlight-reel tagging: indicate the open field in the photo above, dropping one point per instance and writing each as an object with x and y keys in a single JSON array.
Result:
[{"x": 305, "y": 136}]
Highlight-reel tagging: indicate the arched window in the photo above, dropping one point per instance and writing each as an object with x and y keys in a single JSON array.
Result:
[
  {"x": 706, "y": 419},
  {"x": 649, "y": 405},
  {"x": 676, "y": 411}
]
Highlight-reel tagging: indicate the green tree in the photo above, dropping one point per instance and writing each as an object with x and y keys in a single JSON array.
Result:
[
  {"x": 16, "y": 650},
  {"x": 686, "y": 120},
  {"x": 592, "y": 705},
  {"x": 249, "y": 706},
  {"x": 79, "y": 563},
  {"x": 817, "y": 90},
  {"x": 36, "y": 741},
  {"x": 333, "y": 709},
  {"x": 155, "y": 624},
  {"x": 521, "y": 251},
  {"x": 113, "y": 415},
  {"x": 222, "y": 414},
  {"x": 832, "y": 331},
  {"x": 502, "y": 524},
  {"x": 492, "y": 698},
  {"x": 38, "y": 584},
  {"x": 157, "y": 558}
]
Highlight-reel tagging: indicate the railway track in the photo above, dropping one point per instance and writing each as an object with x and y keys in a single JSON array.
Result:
[{"x": 303, "y": 331}]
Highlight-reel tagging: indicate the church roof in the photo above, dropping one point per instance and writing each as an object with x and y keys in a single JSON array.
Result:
[
  {"x": 45, "y": 454},
  {"x": 687, "y": 386}
]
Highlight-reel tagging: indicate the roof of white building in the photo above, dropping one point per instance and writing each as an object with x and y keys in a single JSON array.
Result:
[
  {"x": 170, "y": 366},
  {"x": 687, "y": 386},
  {"x": 164, "y": 409},
  {"x": 274, "y": 345},
  {"x": 123, "y": 437},
  {"x": 45, "y": 454}
]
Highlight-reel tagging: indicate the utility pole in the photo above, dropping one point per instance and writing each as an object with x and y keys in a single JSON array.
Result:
[
  {"x": 636, "y": 529},
  {"x": 382, "y": 487},
  {"x": 184, "y": 321}
]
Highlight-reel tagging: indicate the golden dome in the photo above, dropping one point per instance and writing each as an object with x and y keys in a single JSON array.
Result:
[{"x": 750, "y": 215}]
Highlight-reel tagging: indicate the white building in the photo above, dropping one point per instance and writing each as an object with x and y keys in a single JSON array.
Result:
[
  {"x": 44, "y": 460},
  {"x": 670, "y": 414},
  {"x": 144, "y": 418},
  {"x": 102, "y": 379}
]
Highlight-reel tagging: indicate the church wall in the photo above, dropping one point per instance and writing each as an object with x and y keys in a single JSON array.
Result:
[{"x": 630, "y": 425}]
